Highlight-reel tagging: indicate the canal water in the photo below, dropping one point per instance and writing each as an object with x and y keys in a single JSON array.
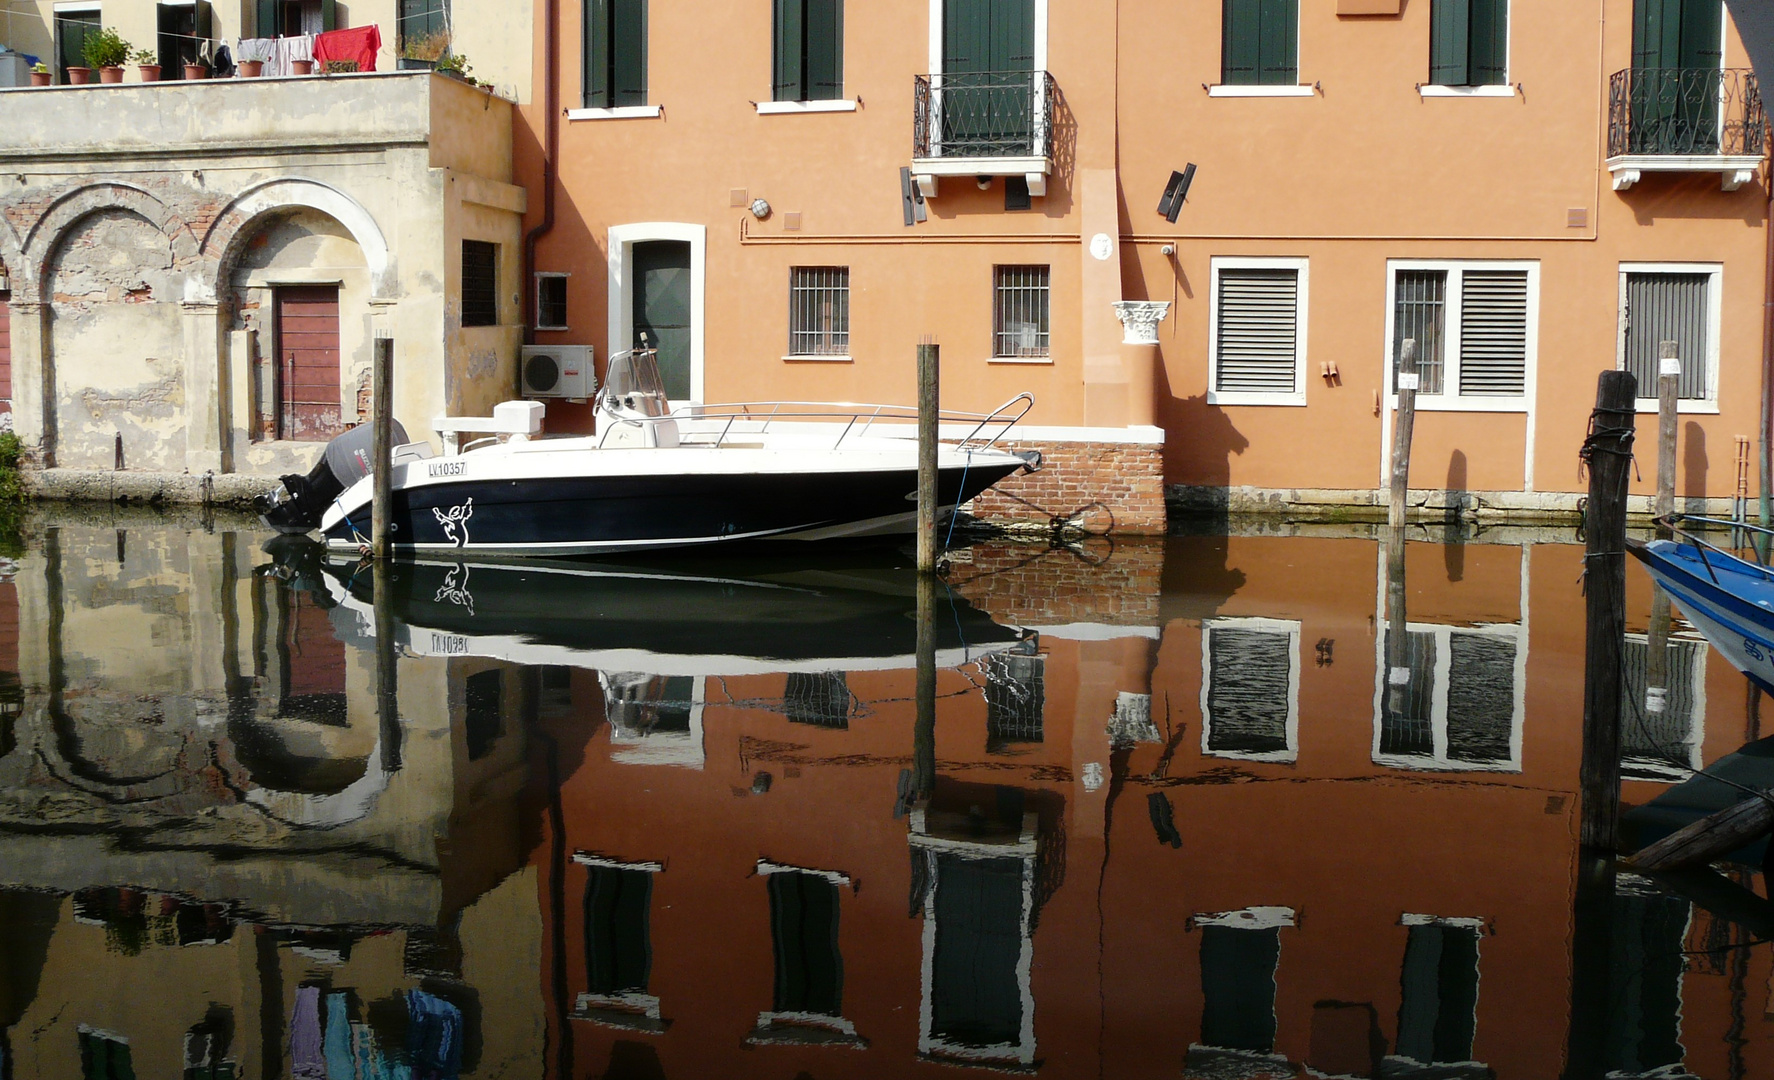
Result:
[{"x": 684, "y": 819}]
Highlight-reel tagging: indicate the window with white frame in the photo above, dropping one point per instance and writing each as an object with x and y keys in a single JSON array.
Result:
[
  {"x": 1671, "y": 302},
  {"x": 1250, "y": 689},
  {"x": 1257, "y": 342},
  {"x": 819, "y": 311},
  {"x": 1456, "y": 702},
  {"x": 1474, "y": 325},
  {"x": 1662, "y": 745},
  {"x": 1020, "y": 319}
]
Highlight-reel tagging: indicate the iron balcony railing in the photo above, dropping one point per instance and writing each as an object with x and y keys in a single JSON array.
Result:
[
  {"x": 991, "y": 114},
  {"x": 1685, "y": 112}
]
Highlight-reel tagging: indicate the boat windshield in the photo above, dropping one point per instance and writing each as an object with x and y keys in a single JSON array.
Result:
[{"x": 633, "y": 383}]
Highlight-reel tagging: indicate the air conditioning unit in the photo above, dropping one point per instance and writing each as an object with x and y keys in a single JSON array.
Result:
[{"x": 558, "y": 371}]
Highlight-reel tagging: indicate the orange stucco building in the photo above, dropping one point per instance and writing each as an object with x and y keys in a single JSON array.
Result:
[{"x": 1537, "y": 192}]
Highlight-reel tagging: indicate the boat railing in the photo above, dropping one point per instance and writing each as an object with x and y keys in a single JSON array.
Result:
[
  {"x": 857, "y": 418},
  {"x": 1760, "y": 551}
]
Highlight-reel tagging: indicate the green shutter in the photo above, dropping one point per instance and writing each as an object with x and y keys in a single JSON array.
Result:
[
  {"x": 265, "y": 19},
  {"x": 596, "y": 80},
  {"x": 1490, "y": 42},
  {"x": 628, "y": 52},
  {"x": 1013, "y": 35},
  {"x": 1240, "y": 21},
  {"x": 966, "y": 46},
  {"x": 329, "y": 15},
  {"x": 824, "y": 66},
  {"x": 1656, "y": 33},
  {"x": 1278, "y": 59},
  {"x": 1450, "y": 42},
  {"x": 788, "y": 81},
  {"x": 1702, "y": 34}
]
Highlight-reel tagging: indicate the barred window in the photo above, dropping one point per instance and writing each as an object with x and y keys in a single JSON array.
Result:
[
  {"x": 1459, "y": 708},
  {"x": 1659, "y": 306},
  {"x": 1016, "y": 698},
  {"x": 821, "y": 698},
  {"x": 480, "y": 283},
  {"x": 1257, "y": 347},
  {"x": 1020, "y": 324},
  {"x": 819, "y": 311},
  {"x": 1470, "y": 323}
]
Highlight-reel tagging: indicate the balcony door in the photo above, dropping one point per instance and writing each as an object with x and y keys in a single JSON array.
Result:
[
  {"x": 988, "y": 77},
  {"x": 1677, "y": 53}
]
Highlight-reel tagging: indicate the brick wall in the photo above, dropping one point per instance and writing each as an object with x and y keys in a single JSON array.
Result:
[
  {"x": 1096, "y": 581},
  {"x": 1098, "y": 486}
]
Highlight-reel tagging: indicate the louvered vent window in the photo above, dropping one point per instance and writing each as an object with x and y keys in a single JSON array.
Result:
[
  {"x": 1669, "y": 307},
  {"x": 1471, "y": 329},
  {"x": 1257, "y": 339},
  {"x": 1458, "y": 708},
  {"x": 1250, "y": 692}
]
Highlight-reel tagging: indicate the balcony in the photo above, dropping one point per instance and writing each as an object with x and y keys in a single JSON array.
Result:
[
  {"x": 995, "y": 123},
  {"x": 1685, "y": 120}
]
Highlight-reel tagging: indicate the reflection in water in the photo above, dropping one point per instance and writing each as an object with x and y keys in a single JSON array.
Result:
[{"x": 1223, "y": 806}]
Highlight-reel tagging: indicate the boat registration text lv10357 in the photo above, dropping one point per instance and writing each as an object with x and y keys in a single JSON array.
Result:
[{"x": 445, "y": 468}]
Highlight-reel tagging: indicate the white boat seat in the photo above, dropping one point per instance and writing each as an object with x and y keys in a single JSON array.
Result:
[{"x": 517, "y": 419}]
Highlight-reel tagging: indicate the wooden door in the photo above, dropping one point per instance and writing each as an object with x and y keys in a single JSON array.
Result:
[
  {"x": 662, "y": 309},
  {"x": 308, "y": 405},
  {"x": 5, "y": 353}
]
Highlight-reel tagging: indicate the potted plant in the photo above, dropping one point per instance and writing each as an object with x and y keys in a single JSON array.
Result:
[
  {"x": 249, "y": 69},
  {"x": 107, "y": 51},
  {"x": 195, "y": 70},
  {"x": 301, "y": 67},
  {"x": 456, "y": 66},
  {"x": 79, "y": 76},
  {"x": 424, "y": 53},
  {"x": 41, "y": 75},
  {"x": 147, "y": 63}
]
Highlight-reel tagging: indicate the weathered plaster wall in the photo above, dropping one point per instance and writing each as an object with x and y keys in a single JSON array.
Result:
[{"x": 117, "y": 342}]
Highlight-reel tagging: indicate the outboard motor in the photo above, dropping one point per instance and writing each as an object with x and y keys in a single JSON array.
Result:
[{"x": 297, "y": 503}]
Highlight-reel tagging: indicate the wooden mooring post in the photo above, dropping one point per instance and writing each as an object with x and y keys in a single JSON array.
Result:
[
  {"x": 382, "y": 417},
  {"x": 1398, "y": 641},
  {"x": 1608, "y": 454},
  {"x": 387, "y": 656},
  {"x": 929, "y": 413},
  {"x": 1405, "y": 384},
  {"x": 1669, "y": 383}
]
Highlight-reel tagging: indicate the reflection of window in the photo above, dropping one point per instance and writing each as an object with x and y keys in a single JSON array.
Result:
[
  {"x": 1646, "y": 1026},
  {"x": 1439, "y": 1011},
  {"x": 1250, "y": 689},
  {"x": 1666, "y": 745},
  {"x": 104, "y": 1056},
  {"x": 1240, "y": 952},
  {"x": 618, "y": 944},
  {"x": 804, "y": 930},
  {"x": 1016, "y": 697},
  {"x": 821, "y": 698},
  {"x": 1461, "y": 705},
  {"x": 482, "y": 723},
  {"x": 654, "y": 719}
]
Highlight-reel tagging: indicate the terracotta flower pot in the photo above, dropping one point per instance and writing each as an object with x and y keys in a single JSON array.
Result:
[
  {"x": 150, "y": 72},
  {"x": 110, "y": 74},
  {"x": 196, "y": 71},
  {"x": 251, "y": 69},
  {"x": 302, "y": 67},
  {"x": 42, "y": 78},
  {"x": 79, "y": 76}
]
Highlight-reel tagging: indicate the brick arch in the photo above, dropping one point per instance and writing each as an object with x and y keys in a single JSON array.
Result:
[
  {"x": 46, "y": 234},
  {"x": 234, "y": 226},
  {"x": 12, "y": 254}
]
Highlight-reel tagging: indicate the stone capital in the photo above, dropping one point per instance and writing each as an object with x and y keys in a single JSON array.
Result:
[{"x": 1140, "y": 319}]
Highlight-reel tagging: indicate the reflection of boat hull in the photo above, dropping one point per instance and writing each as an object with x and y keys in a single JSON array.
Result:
[
  {"x": 664, "y": 622},
  {"x": 542, "y": 502},
  {"x": 1728, "y": 600}
]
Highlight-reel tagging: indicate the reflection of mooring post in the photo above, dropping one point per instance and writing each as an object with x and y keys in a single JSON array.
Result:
[
  {"x": 1398, "y": 662},
  {"x": 924, "y": 731},
  {"x": 929, "y": 407},
  {"x": 1406, "y": 386},
  {"x": 1592, "y": 951},
  {"x": 1608, "y": 454},
  {"x": 382, "y": 417},
  {"x": 387, "y": 687}
]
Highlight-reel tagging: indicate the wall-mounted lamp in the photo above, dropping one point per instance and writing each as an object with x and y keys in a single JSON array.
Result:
[
  {"x": 984, "y": 183},
  {"x": 760, "y": 209},
  {"x": 1168, "y": 251}
]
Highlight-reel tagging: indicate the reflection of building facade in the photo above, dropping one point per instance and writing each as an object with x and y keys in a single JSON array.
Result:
[
  {"x": 200, "y": 802},
  {"x": 1233, "y": 853}
]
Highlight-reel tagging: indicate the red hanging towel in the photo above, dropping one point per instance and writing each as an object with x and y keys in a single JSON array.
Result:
[{"x": 357, "y": 45}]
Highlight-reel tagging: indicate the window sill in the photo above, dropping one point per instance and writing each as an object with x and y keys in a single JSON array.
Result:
[
  {"x": 621, "y": 112},
  {"x": 1048, "y": 360},
  {"x": 783, "y": 108},
  {"x": 818, "y": 358},
  {"x": 552, "y": 329},
  {"x": 1217, "y": 397},
  {"x": 1503, "y": 90},
  {"x": 1244, "y": 90},
  {"x": 1703, "y": 408},
  {"x": 1442, "y": 403}
]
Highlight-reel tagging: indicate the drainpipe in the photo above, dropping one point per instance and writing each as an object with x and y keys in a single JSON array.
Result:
[
  {"x": 1767, "y": 503},
  {"x": 551, "y": 142}
]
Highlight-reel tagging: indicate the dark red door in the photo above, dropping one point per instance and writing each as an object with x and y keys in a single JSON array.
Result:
[
  {"x": 308, "y": 353},
  {"x": 5, "y": 354}
]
